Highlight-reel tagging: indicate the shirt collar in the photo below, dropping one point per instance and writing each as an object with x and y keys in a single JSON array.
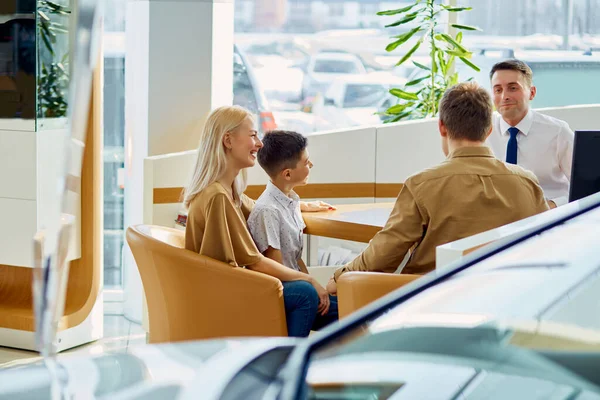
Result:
[
  {"x": 477, "y": 151},
  {"x": 524, "y": 126},
  {"x": 278, "y": 195}
]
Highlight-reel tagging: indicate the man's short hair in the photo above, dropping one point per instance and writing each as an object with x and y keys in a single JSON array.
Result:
[
  {"x": 281, "y": 150},
  {"x": 514, "y": 65},
  {"x": 466, "y": 112}
]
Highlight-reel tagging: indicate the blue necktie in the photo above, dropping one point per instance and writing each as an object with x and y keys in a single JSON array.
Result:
[{"x": 511, "y": 149}]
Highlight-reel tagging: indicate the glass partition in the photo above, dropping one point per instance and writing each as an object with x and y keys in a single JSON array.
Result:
[
  {"x": 52, "y": 63},
  {"x": 34, "y": 62}
]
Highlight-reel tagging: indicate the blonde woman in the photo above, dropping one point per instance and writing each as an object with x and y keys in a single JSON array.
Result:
[{"x": 218, "y": 209}]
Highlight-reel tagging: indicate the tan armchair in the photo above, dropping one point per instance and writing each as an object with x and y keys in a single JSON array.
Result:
[
  {"x": 195, "y": 297},
  {"x": 357, "y": 289}
]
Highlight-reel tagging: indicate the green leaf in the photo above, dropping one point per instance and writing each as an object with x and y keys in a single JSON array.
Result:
[
  {"x": 458, "y": 53},
  {"x": 419, "y": 65},
  {"x": 399, "y": 117},
  {"x": 466, "y": 27},
  {"x": 402, "y": 39},
  {"x": 410, "y": 52},
  {"x": 459, "y": 37},
  {"x": 456, "y": 9},
  {"x": 453, "y": 42},
  {"x": 59, "y": 30},
  {"x": 470, "y": 64},
  {"x": 404, "y": 95},
  {"x": 405, "y": 20},
  {"x": 48, "y": 44},
  {"x": 397, "y": 11},
  {"x": 398, "y": 108},
  {"x": 53, "y": 5},
  {"x": 442, "y": 62},
  {"x": 417, "y": 81},
  {"x": 43, "y": 16}
]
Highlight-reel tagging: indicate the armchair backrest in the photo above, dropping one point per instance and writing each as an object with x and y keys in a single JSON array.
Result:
[{"x": 191, "y": 296}]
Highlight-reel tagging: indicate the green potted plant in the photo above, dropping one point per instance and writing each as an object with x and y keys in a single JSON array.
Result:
[
  {"x": 421, "y": 101},
  {"x": 53, "y": 73}
]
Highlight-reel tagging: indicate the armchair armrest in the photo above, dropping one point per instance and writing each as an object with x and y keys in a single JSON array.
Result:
[{"x": 357, "y": 289}]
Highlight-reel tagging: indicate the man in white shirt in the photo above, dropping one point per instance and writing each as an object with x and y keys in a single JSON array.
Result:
[{"x": 522, "y": 136}]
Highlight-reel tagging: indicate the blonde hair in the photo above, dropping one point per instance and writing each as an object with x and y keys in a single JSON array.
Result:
[{"x": 211, "y": 162}]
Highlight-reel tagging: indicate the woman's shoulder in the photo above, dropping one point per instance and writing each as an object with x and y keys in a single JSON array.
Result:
[{"x": 213, "y": 191}]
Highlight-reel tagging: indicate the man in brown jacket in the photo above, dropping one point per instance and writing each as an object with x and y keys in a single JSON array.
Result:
[{"x": 470, "y": 192}]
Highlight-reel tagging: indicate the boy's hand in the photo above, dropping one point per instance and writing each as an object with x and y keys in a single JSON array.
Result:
[
  {"x": 314, "y": 206},
  {"x": 332, "y": 287},
  {"x": 323, "y": 297}
]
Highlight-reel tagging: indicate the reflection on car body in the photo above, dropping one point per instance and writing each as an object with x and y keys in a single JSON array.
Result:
[{"x": 473, "y": 330}]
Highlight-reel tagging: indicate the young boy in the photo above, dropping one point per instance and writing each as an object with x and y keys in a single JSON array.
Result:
[{"x": 276, "y": 223}]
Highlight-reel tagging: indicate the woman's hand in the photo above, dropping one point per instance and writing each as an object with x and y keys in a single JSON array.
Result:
[
  {"x": 323, "y": 297},
  {"x": 314, "y": 206}
]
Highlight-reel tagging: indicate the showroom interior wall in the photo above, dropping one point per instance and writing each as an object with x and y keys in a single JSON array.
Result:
[{"x": 178, "y": 68}]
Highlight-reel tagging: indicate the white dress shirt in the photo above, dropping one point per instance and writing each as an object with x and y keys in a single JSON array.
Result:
[
  {"x": 276, "y": 221},
  {"x": 545, "y": 147}
]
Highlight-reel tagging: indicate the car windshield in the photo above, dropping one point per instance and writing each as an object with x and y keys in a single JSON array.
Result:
[
  {"x": 364, "y": 95},
  {"x": 519, "y": 325},
  {"x": 336, "y": 67}
]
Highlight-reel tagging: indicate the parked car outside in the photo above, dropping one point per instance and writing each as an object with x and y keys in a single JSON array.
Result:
[
  {"x": 355, "y": 100},
  {"x": 323, "y": 68},
  {"x": 248, "y": 93}
]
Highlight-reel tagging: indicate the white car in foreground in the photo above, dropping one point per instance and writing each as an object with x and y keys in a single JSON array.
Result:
[{"x": 517, "y": 319}]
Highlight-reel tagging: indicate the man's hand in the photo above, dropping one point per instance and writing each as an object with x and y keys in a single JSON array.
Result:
[
  {"x": 551, "y": 204},
  {"x": 323, "y": 297},
  {"x": 314, "y": 206},
  {"x": 332, "y": 287}
]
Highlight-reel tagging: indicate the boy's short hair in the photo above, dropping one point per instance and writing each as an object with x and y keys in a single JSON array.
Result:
[
  {"x": 514, "y": 65},
  {"x": 466, "y": 112},
  {"x": 281, "y": 150}
]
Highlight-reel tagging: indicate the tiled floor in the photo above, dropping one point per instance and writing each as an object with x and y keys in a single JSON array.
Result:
[{"x": 119, "y": 336}]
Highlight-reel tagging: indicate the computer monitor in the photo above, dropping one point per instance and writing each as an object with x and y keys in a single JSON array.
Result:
[{"x": 585, "y": 172}]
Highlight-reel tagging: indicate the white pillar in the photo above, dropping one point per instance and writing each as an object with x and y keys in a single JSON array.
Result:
[{"x": 178, "y": 67}]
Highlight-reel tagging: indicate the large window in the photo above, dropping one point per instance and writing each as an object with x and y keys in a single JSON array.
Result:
[
  {"x": 560, "y": 39},
  {"x": 114, "y": 133}
]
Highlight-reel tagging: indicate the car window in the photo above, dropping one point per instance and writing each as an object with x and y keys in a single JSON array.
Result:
[
  {"x": 336, "y": 67},
  {"x": 363, "y": 95}
]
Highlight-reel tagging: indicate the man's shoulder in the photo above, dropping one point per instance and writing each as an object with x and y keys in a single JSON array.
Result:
[
  {"x": 449, "y": 168},
  {"x": 540, "y": 118},
  {"x": 442, "y": 170}
]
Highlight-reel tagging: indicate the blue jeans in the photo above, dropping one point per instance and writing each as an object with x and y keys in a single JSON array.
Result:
[{"x": 301, "y": 304}]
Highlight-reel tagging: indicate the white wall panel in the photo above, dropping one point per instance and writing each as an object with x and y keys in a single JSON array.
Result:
[
  {"x": 344, "y": 156},
  {"x": 18, "y": 165},
  {"x": 173, "y": 170},
  {"x": 585, "y": 117},
  {"x": 18, "y": 225},
  {"x": 405, "y": 148},
  {"x": 165, "y": 214}
]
